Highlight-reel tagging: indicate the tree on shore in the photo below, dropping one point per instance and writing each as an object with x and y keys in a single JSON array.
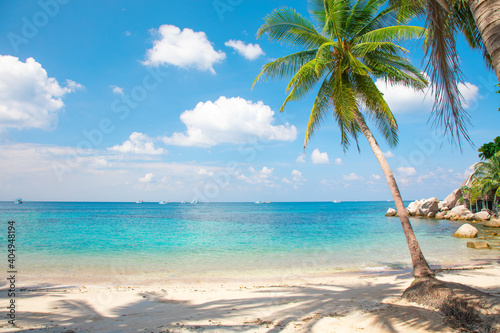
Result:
[
  {"x": 486, "y": 179},
  {"x": 356, "y": 43}
]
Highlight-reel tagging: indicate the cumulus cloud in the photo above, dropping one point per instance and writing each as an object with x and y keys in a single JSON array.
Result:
[
  {"x": 249, "y": 51},
  {"x": 388, "y": 154},
  {"x": 301, "y": 158},
  {"x": 406, "y": 171},
  {"x": 338, "y": 161},
  {"x": 377, "y": 177},
  {"x": 148, "y": 178},
  {"x": 258, "y": 176},
  {"x": 352, "y": 176},
  {"x": 286, "y": 180},
  {"x": 117, "y": 90},
  {"x": 403, "y": 99},
  {"x": 319, "y": 158},
  {"x": 138, "y": 143},
  {"x": 297, "y": 176},
  {"x": 184, "y": 49},
  {"x": 28, "y": 97},
  {"x": 229, "y": 120}
]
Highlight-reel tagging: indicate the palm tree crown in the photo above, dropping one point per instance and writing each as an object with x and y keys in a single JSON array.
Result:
[
  {"x": 486, "y": 178},
  {"x": 354, "y": 45}
]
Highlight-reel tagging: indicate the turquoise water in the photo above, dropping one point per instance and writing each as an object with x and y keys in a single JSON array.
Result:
[{"x": 221, "y": 239}]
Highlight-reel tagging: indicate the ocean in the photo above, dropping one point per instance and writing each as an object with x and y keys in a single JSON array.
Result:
[{"x": 73, "y": 242}]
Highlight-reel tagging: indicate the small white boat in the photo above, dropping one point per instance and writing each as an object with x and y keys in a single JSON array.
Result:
[
  {"x": 336, "y": 201},
  {"x": 19, "y": 201},
  {"x": 183, "y": 201},
  {"x": 139, "y": 201},
  {"x": 163, "y": 202},
  {"x": 258, "y": 202},
  {"x": 194, "y": 202}
]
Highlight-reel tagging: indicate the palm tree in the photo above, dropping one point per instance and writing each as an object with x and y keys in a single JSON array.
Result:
[
  {"x": 486, "y": 179},
  {"x": 355, "y": 45},
  {"x": 479, "y": 22}
]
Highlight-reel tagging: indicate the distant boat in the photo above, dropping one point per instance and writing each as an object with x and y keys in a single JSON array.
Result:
[
  {"x": 258, "y": 202},
  {"x": 163, "y": 202},
  {"x": 18, "y": 201},
  {"x": 336, "y": 201},
  {"x": 183, "y": 201},
  {"x": 266, "y": 202},
  {"x": 194, "y": 202},
  {"x": 139, "y": 201}
]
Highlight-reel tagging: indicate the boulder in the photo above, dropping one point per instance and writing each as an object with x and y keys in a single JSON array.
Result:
[
  {"x": 391, "y": 212},
  {"x": 466, "y": 231},
  {"x": 431, "y": 215},
  {"x": 493, "y": 223},
  {"x": 451, "y": 200},
  {"x": 478, "y": 245},
  {"x": 413, "y": 208},
  {"x": 461, "y": 211},
  {"x": 482, "y": 216},
  {"x": 444, "y": 209},
  {"x": 428, "y": 206},
  {"x": 440, "y": 215}
]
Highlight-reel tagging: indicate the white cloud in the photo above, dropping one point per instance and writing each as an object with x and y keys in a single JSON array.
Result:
[
  {"x": 406, "y": 171},
  {"x": 117, "y": 90},
  {"x": 205, "y": 172},
  {"x": 184, "y": 49},
  {"x": 319, "y": 158},
  {"x": 258, "y": 176},
  {"x": 230, "y": 120},
  {"x": 286, "y": 181},
  {"x": 301, "y": 158},
  {"x": 297, "y": 176},
  {"x": 403, "y": 99},
  {"x": 249, "y": 51},
  {"x": 138, "y": 143},
  {"x": 388, "y": 154},
  {"x": 377, "y": 177},
  {"x": 352, "y": 176},
  {"x": 338, "y": 161},
  {"x": 148, "y": 178},
  {"x": 28, "y": 97}
]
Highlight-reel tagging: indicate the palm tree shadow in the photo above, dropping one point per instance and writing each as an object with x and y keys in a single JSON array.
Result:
[{"x": 270, "y": 309}]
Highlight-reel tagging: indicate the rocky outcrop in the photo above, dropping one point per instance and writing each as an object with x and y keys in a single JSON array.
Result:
[
  {"x": 391, "y": 212},
  {"x": 413, "y": 207},
  {"x": 466, "y": 231},
  {"x": 428, "y": 206},
  {"x": 478, "y": 244},
  {"x": 451, "y": 200}
]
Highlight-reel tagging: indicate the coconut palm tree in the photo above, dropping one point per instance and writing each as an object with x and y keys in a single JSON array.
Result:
[
  {"x": 355, "y": 44},
  {"x": 486, "y": 179},
  {"x": 479, "y": 22}
]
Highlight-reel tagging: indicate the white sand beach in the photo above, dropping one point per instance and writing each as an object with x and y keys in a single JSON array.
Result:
[{"x": 350, "y": 302}]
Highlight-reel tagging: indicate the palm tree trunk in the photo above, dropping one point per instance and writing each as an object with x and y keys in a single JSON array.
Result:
[
  {"x": 420, "y": 266},
  {"x": 487, "y": 17}
]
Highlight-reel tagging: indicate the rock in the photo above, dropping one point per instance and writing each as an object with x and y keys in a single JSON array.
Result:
[
  {"x": 440, "y": 215},
  {"x": 478, "y": 245},
  {"x": 462, "y": 212},
  {"x": 482, "y": 216},
  {"x": 431, "y": 215},
  {"x": 451, "y": 200},
  {"x": 391, "y": 212},
  {"x": 428, "y": 206},
  {"x": 493, "y": 223},
  {"x": 466, "y": 231},
  {"x": 413, "y": 208},
  {"x": 444, "y": 209}
]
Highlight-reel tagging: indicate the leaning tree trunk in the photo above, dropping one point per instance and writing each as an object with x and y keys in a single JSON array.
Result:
[
  {"x": 420, "y": 266},
  {"x": 487, "y": 17}
]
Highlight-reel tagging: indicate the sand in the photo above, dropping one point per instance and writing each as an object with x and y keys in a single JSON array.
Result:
[{"x": 351, "y": 302}]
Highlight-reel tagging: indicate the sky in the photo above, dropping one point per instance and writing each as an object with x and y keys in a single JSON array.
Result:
[{"x": 152, "y": 100}]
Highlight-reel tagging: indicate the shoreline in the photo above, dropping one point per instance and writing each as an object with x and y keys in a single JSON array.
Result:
[{"x": 342, "y": 302}]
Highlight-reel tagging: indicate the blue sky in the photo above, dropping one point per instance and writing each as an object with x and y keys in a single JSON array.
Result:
[{"x": 152, "y": 100}]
